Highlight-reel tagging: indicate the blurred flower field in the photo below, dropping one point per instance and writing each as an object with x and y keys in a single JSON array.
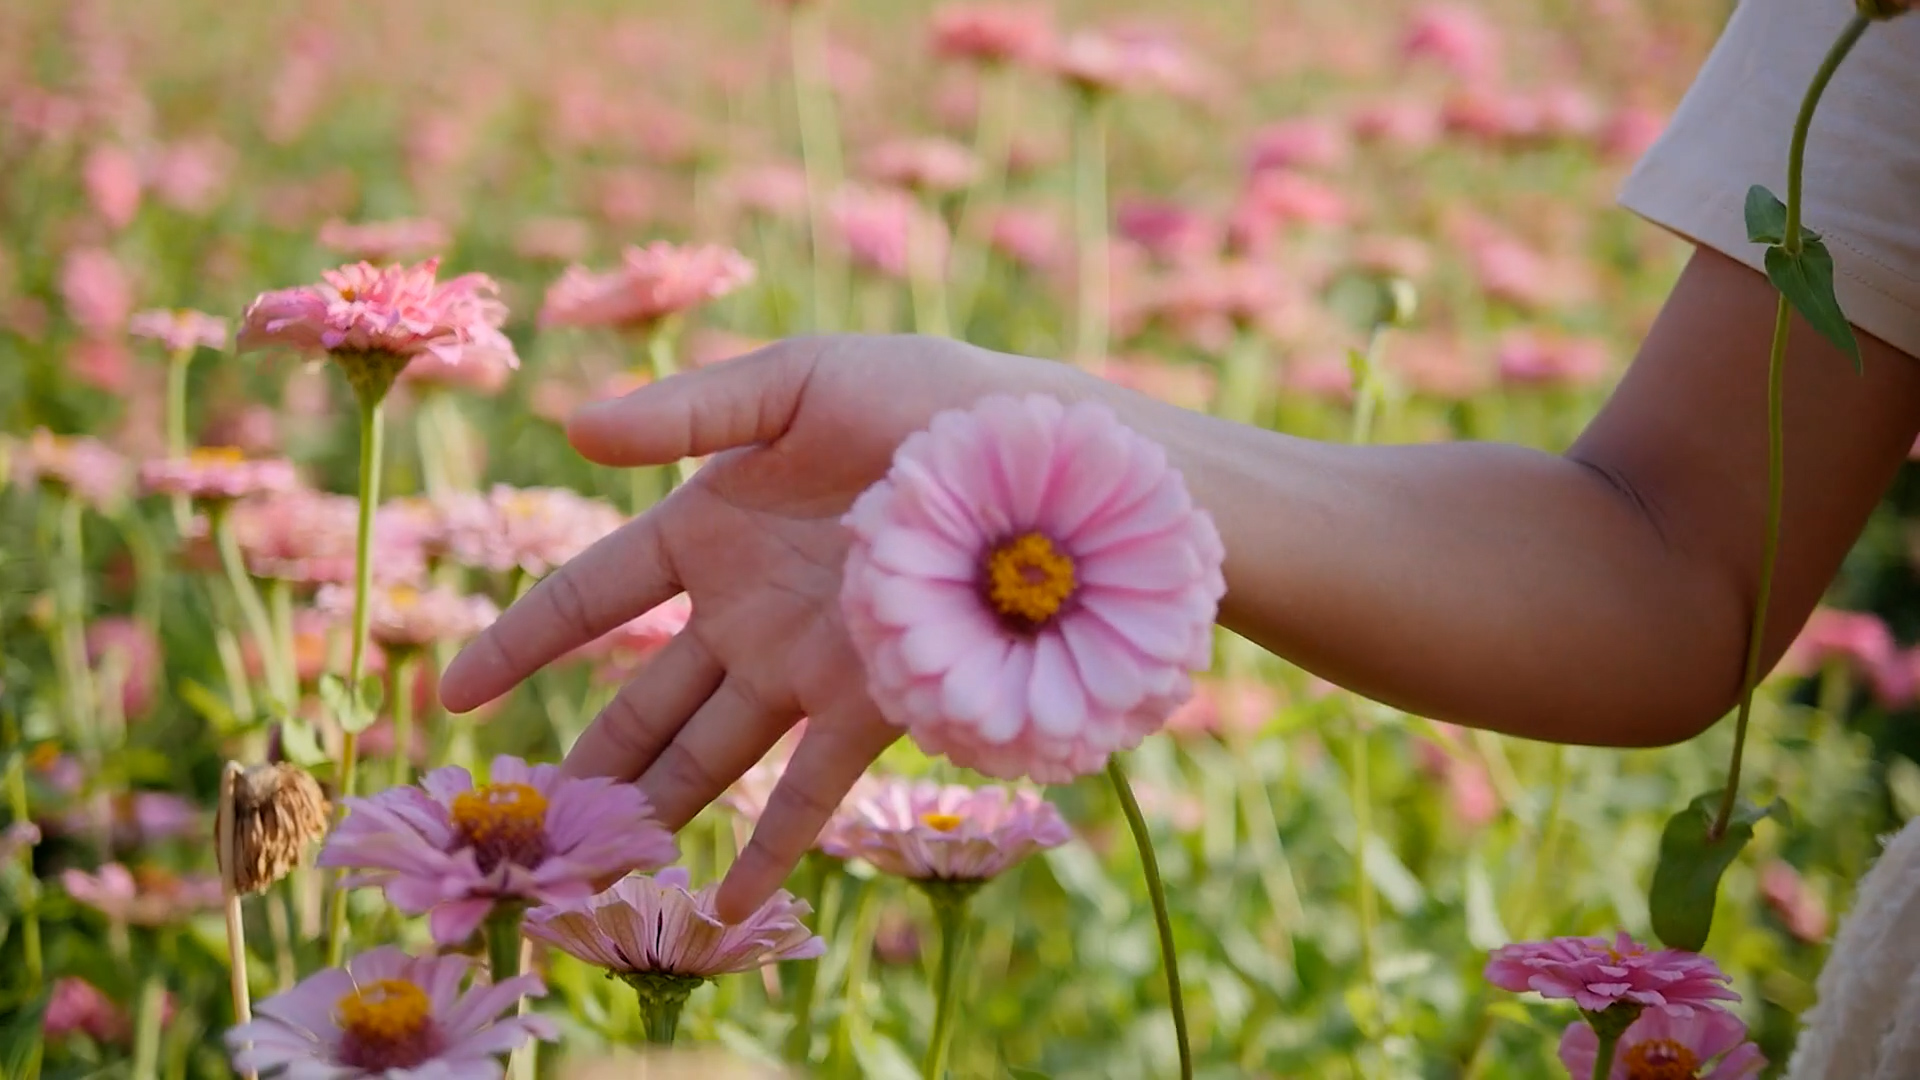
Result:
[{"x": 1233, "y": 205}]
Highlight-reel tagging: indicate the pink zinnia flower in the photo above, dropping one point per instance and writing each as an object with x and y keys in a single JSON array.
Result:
[
  {"x": 480, "y": 372},
  {"x": 1709, "y": 1045},
  {"x": 216, "y": 474},
  {"x": 308, "y": 536},
  {"x": 777, "y": 190},
  {"x": 137, "y": 818},
  {"x": 180, "y": 329},
  {"x": 1303, "y": 143},
  {"x": 559, "y": 238},
  {"x": 1029, "y": 587},
  {"x": 626, "y": 647},
  {"x": 925, "y": 831},
  {"x": 652, "y": 283},
  {"x": 135, "y": 651},
  {"x": 192, "y": 174},
  {"x": 1793, "y": 901},
  {"x": 80, "y": 466},
  {"x": 1169, "y": 231},
  {"x": 1027, "y": 236},
  {"x": 530, "y": 835},
  {"x": 932, "y": 165},
  {"x": 887, "y": 231},
  {"x": 1630, "y": 132},
  {"x": 1527, "y": 358},
  {"x": 97, "y": 289},
  {"x": 992, "y": 33},
  {"x": 147, "y": 896},
  {"x": 384, "y": 241},
  {"x": 529, "y": 529},
  {"x": 403, "y": 617},
  {"x": 1595, "y": 974},
  {"x": 657, "y": 926},
  {"x": 78, "y": 1006},
  {"x": 1113, "y": 61},
  {"x": 111, "y": 176},
  {"x": 1411, "y": 124},
  {"x": 387, "y": 1014},
  {"x": 1858, "y": 639},
  {"x": 1458, "y": 38}
]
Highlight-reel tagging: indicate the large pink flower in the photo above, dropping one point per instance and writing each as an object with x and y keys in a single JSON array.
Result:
[
  {"x": 656, "y": 925},
  {"x": 1030, "y": 587},
  {"x": 392, "y": 1015},
  {"x": 1595, "y": 973},
  {"x": 925, "y": 831},
  {"x": 531, "y": 835},
  {"x": 651, "y": 283},
  {"x": 1711, "y": 1044}
]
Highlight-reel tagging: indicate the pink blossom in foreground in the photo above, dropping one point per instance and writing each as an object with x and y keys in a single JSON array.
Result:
[
  {"x": 83, "y": 467},
  {"x": 1595, "y": 973},
  {"x": 529, "y": 529},
  {"x": 387, "y": 1014},
  {"x": 404, "y": 617},
  {"x": 180, "y": 329},
  {"x": 217, "y": 473},
  {"x": 887, "y": 231},
  {"x": 993, "y": 33},
  {"x": 925, "y": 831},
  {"x": 97, "y": 290},
  {"x": 135, "y": 653},
  {"x": 1527, "y": 358},
  {"x": 1029, "y": 587},
  {"x": 529, "y": 835},
  {"x": 1709, "y": 1045},
  {"x": 395, "y": 311},
  {"x": 384, "y": 241},
  {"x": 656, "y": 925},
  {"x": 147, "y": 896},
  {"x": 932, "y": 165},
  {"x": 111, "y": 176},
  {"x": 651, "y": 283}
]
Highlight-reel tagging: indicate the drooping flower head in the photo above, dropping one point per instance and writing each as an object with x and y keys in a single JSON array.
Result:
[
  {"x": 387, "y": 1014},
  {"x": 180, "y": 329},
  {"x": 404, "y": 617},
  {"x": 1595, "y": 973},
  {"x": 373, "y": 320},
  {"x": 657, "y": 925},
  {"x": 530, "y": 835},
  {"x": 926, "y": 831},
  {"x": 1030, "y": 587},
  {"x": 217, "y": 474},
  {"x": 1711, "y": 1044},
  {"x": 77, "y": 465},
  {"x": 147, "y": 896},
  {"x": 650, "y": 284}
]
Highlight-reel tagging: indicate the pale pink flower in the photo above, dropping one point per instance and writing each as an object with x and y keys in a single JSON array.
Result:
[
  {"x": 561, "y": 239},
  {"x": 1711, "y": 1044},
  {"x": 404, "y": 617},
  {"x": 1529, "y": 358},
  {"x": 384, "y": 241},
  {"x": 1858, "y": 639},
  {"x": 1510, "y": 271},
  {"x": 1302, "y": 143},
  {"x": 1413, "y": 124},
  {"x": 626, "y": 647},
  {"x": 1117, "y": 60},
  {"x": 652, "y": 283},
  {"x": 138, "y": 653},
  {"x": 97, "y": 289},
  {"x": 1275, "y": 200},
  {"x": 217, "y": 473},
  {"x": 993, "y": 33},
  {"x": 531, "y": 529},
  {"x": 1029, "y": 587},
  {"x": 485, "y": 372},
  {"x": 1225, "y": 709},
  {"x": 776, "y": 190},
  {"x": 1028, "y": 236},
  {"x": 147, "y": 896},
  {"x": 1630, "y": 132},
  {"x": 748, "y": 795},
  {"x": 78, "y": 1007},
  {"x": 1169, "y": 231},
  {"x": 932, "y": 165},
  {"x": 1393, "y": 256},
  {"x": 925, "y": 831},
  {"x": 16, "y": 838},
  {"x": 1434, "y": 365},
  {"x": 887, "y": 231},
  {"x": 180, "y": 329},
  {"x": 192, "y": 175},
  {"x": 308, "y": 536},
  {"x": 76, "y": 464},
  {"x": 104, "y": 365},
  {"x": 530, "y": 835},
  {"x": 656, "y": 926},
  {"x": 1566, "y": 112},
  {"x": 1459, "y": 38},
  {"x": 1595, "y": 974},
  {"x": 387, "y": 1014},
  {"x": 1190, "y": 386},
  {"x": 1319, "y": 377},
  {"x": 711, "y": 346},
  {"x": 136, "y": 819},
  {"x": 111, "y": 176},
  {"x": 1798, "y": 907}
]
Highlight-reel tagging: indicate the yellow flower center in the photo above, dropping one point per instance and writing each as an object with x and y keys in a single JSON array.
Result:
[
  {"x": 217, "y": 455},
  {"x": 386, "y": 1025},
  {"x": 1028, "y": 579},
  {"x": 503, "y": 823},
  {"x": 404, "y": 597},
  {"x": 941, "y": 822},
  {"x": 349, "y": 293},
  {"x": 44, "y": 757},
  {"x": 1660, "y": 1059}
]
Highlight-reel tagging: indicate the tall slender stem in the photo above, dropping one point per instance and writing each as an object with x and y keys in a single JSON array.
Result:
[
  {"x": 1791, "y": 240},
  {"x": 252, "y": 608},
  {"x": 950, "y": 913},
  {"x": 1163, "y": 922},
  {"x": 663, "y": 363},
  {"x": 1090, "y": 227},
  {"x": 820, "y": 151},
  {"x": 1603, "y": 1055},
  {"x": 370, "y": 440},
  {"x": 177, "y": 365},
  {"x": 19, "y": 811},
  {"x": 400, "y": 707},
  {"x": 146, "y": 1031},
  {"x": 807, "y": 974},
  {"x": 237, "y": 963}
]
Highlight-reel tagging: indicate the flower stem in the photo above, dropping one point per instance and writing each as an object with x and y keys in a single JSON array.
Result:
[
  {"x": 950, "y": 913},
  {"x": 820, "y": 152},
  {"x": 503, "y": 942},
  {"x": 1157, "y": 893},
  {"x": 19, "y": 811},
  {"x": 1090, "y": 227},
  {"x": 177, "y": 365},
  {"x": 662, "y": 998},
  {"x": 663, "y": 363},
  {"x": 252, "y": 608},
  {"x": 1791, "y": 240},
  {"x": 806, "y": 974},
  {"x": 146, "y": 1032},
  {"x": 237, "y": 963},
  {"x": 1603, "y": 1056},
  {"x": 400, "y": 698},
  {"x": 926, "y": 277}
]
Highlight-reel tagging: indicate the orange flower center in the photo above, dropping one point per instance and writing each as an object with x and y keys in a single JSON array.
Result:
[
  {"x": 941, "y": 822},
  {"x": 503, "y": 823},
  {"x": 157, "y": 880},
  {"x": 217, "y": 455},
  {"x": 1660, "y": 1059},
  {"x": 386, "y": 1025},
  {"x": 1028, "y": 580},
  {"x": 349, "y": 293},
  {"x": 403, "y": 598}
]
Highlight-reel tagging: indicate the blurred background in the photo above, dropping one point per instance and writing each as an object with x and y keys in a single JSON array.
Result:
[{"x": 1274, "y": 173}]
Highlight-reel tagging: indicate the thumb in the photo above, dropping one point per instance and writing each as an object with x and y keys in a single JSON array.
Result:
[{"x": 748, "y": 399}]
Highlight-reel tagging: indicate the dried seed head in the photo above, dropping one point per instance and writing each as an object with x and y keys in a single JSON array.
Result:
[{"x": 269, "y": 816}]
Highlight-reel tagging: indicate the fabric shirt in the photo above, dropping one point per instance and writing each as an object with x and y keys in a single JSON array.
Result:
[{"x": 1862, "y": 173}]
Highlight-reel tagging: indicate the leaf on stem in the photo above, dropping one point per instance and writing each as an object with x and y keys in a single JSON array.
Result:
[
  {"x": 1766, "y": 216},
  {"x": 1686, "y": 881},
  {"x": 353, "y": 716},
  {"x": 1806, "y": 280}
]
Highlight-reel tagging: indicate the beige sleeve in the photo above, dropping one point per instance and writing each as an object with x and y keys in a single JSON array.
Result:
[{"x": 1862, "y": 181}]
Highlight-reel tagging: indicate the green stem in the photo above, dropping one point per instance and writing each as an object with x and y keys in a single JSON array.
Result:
[
  {"x": 252, "y": 608},
  {"x": 146, "y": 1039},
  {"x": 503, "y": 942},
  {"x": 431, "y": 438},
  {"x": 1157, "y": 893},
  {"x": 19, "y": 811},
  {"x": 820, "y": 152},
  {"x": 285, "y": 656},
  {"x": 1090, "y": 227},
  {"x": 70, "y": 615},
  {"x": 663, "y": 363},
  {"x": 1603, "y": 1056},
  {"x": 807, "y": 974},
  {"x": 400, "y": 696},
  {"x": 866, "y": 924},
  {"x": 662, "y": 999},
  {"x": 950, "y": 913},
  {"x": 370, "y": 438},
  {"x": 1790, "y": 241},
  {"x": 1360, "y": 793},
  {"x": 177, "y": 365}
]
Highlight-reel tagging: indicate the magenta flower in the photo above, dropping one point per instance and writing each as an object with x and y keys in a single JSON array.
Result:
[
  {"x": 935, "y": 166},
  {"x": 1595, "y": 973},
  {"x": 384, "y": 241},
  {"x": 1459, "y": 38},
  {"x": 925, "y": 831},
  {"x": 180, "y": 329},
  {"x": 392, "y": 1015},
  {"x": 1302, "y": 143},
  {"x": 1709, "y": 1045},
  {"x": 76, "y": 1006},
  {"x": 529, "y": 529},
  {"x": 656, "y": 925},
  {"x": 217, "y": 474},
  {"x": 993, "y": 33},
  {"x": 83, "y": 467},
  {"x": 402, "y": 617},
  {"x": 530, "y": 835},
  {"x": 651, "y": 283},
  {"x": 1030, "y": 586},
  {"x": 148, "y": 896}
]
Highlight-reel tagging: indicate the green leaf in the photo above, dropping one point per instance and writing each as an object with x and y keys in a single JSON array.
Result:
[
  {"x": 1806, "y": 280},
  {"x": 1395, "y": 883},
  {"x": 373, "y": 693},
  {"x": 1686, "y": 881},
  {"x": 333, "y": 694},
  {"x": 20, "y": 1040},
  {"x": 1018, "y": 1073},
  {"x": 1903, "y": 784},
  {"x": 300, "y": 743},
  {"x": 1766, "y": 216},
  {"x": 218, "y": 715}
]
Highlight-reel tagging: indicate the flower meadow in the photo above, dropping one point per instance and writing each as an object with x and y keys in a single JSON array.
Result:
[{"x": 295, "y": 306}]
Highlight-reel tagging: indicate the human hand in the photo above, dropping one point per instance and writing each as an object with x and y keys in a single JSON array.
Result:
[{"x": 754, "y": 539}]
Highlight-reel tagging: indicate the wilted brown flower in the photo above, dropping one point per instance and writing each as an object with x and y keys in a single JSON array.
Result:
[{"x": 268, "y": 816}]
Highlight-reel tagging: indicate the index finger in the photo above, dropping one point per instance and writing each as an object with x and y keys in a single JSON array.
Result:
[{"x": 623, "y": 575}]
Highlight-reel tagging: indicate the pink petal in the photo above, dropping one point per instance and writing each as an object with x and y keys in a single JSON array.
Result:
[
  {"x": 1054, "y": 692},
  {"x": 455, "y": 921}
]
